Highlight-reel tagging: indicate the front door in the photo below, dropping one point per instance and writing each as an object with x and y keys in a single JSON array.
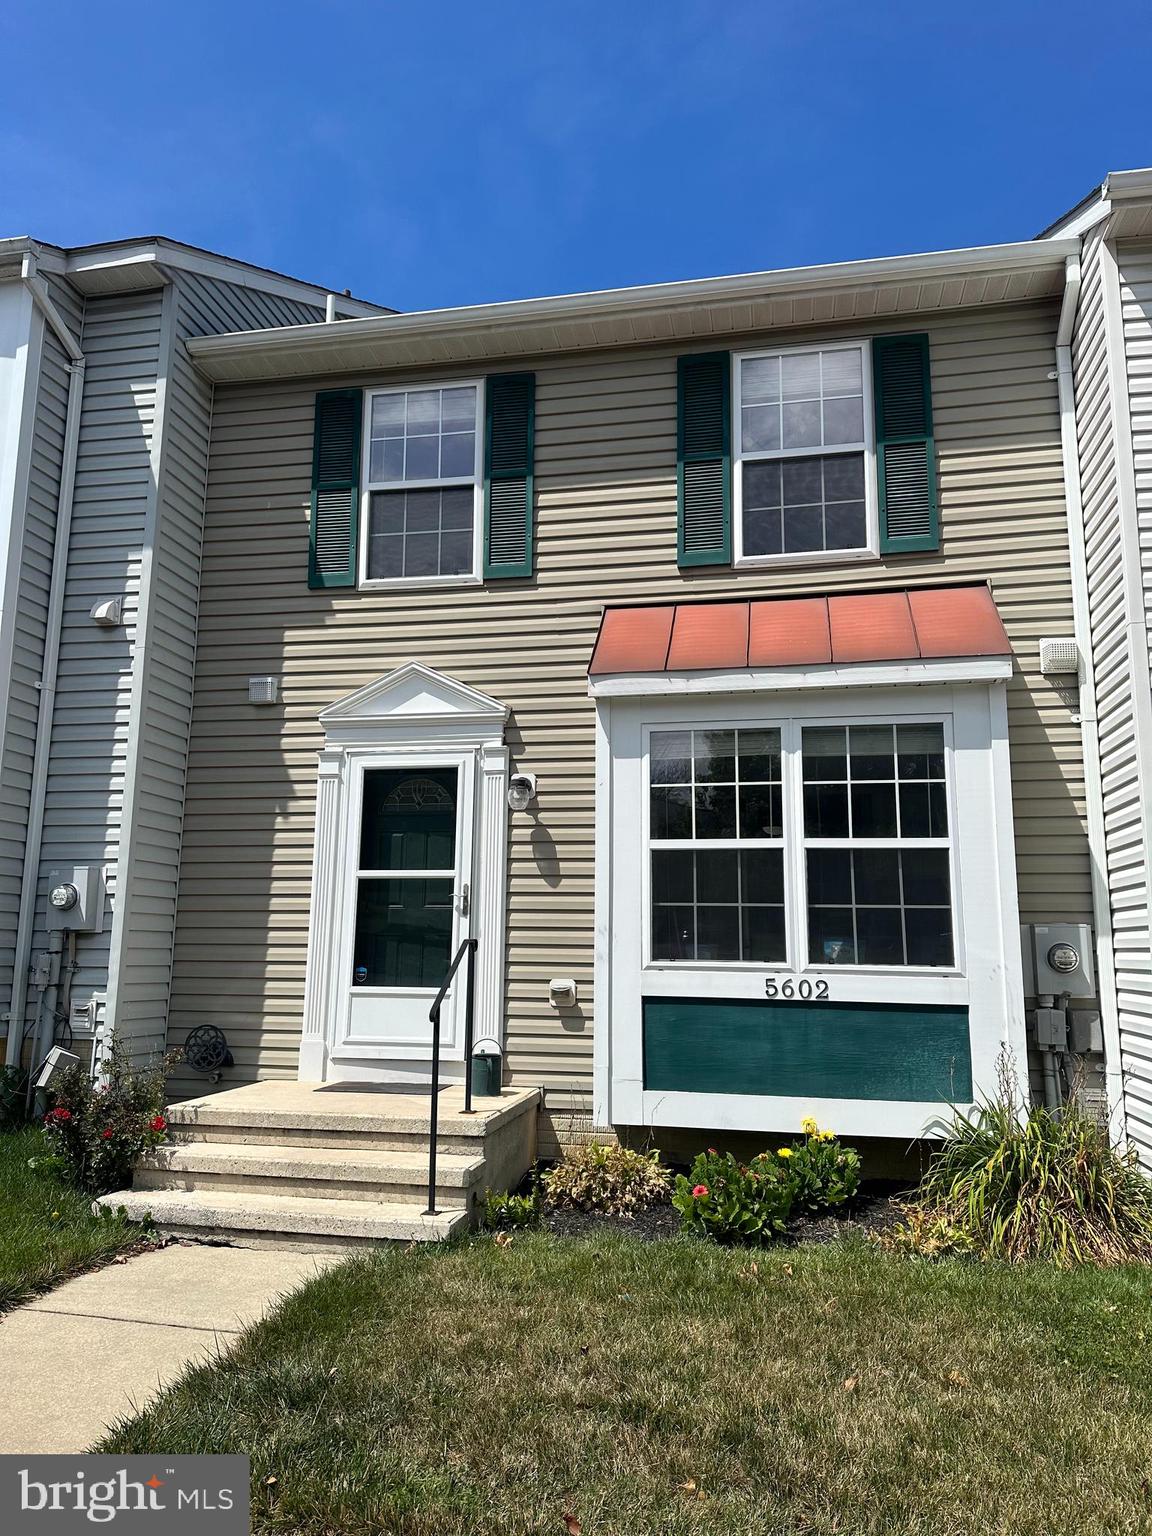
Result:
[{"x": 407, "y": 907}]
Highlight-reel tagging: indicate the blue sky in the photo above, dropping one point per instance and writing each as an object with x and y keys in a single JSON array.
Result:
[{"x": 426, "y": 154}]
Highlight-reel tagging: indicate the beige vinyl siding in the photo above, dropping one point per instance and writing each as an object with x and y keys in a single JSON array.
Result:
[{"x": 606, "y": 533}]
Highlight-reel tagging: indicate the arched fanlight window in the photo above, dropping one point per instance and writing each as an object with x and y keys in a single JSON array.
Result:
[{"x": 417, "y": 793}]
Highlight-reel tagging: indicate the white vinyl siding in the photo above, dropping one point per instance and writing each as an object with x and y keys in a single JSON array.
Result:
[
  {"x": 606, "y": 533},
  {"x": 1112, "y": 450},
  {"x": 162, "y": 688},
  {"x": 90, "y": 737}
]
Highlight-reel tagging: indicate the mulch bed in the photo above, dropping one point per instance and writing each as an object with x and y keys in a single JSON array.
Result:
[{"x": 874, "y": 1210}]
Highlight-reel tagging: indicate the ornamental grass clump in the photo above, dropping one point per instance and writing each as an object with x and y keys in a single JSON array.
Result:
[
  {"x": 733, "y": 1201},
  {"x": 612, "y": 1179},
  {"x": 96, "y": 1131},
  {"x": 1018, "y": 1182}
]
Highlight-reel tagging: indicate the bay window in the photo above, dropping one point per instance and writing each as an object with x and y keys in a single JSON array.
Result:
[
  {"x": 717, "y": 846},
  {"x": 864, "y": 805},
  {"x": 423, "y": 478},
  {"x": 876, "y": 845},
  {"x": 805, "y": 453}
]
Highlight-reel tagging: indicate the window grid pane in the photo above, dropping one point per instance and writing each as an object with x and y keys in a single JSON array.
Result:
[
  {"x": 710, "y": 903},
  {"x": 422, "y": 435},
  {"x": 867, "y": 788},
  {"x": 420, "y": 533},
  {"x": 796, "y": 499}
]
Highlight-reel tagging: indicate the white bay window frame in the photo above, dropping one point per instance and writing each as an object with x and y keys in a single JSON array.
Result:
[
  {"x": 796, "y": 841},
  {"x": 370, "y": 487},
  {"x": 870, "y": 550},
  {"x": 985, "y": 976}
]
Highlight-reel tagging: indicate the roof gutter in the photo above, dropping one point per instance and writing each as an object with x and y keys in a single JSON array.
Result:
[
  {"x": 1026, "y": 255},
  {"x": 1089, "y": 730}
]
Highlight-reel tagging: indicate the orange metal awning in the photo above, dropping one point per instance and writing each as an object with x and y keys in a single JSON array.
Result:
[{"x": 927, "y": 623}]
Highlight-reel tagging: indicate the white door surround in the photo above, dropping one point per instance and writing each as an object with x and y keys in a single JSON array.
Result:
[{"x": 412, "y": 716}]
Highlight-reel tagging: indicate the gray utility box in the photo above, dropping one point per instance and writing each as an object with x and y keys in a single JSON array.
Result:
[
  {"x": 1058, "y": 958},
  {"x": 84, "y": 908}
]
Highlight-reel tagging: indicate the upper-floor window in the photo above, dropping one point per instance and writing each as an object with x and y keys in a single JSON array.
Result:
[
  {"x": 423, "y": 484},
  {"x": 805, "y": 456}
]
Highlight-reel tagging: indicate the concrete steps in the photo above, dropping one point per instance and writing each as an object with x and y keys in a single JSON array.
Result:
[
  {"x": 301, "y": 1165},
  {"x": 299, "y": 1222},
  {"x": 345, "y": 1173}
]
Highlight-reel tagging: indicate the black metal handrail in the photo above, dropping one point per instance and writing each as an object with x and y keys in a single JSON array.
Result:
[{"x": 467, "y": 947}]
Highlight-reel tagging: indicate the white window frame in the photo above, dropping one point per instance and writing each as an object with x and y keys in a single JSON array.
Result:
[
  {"x": 369, "y": 487},
  {"x": 987, "y": 978},
  {"x": 707, "y": 844},
  {"x": 795, "y": 843},
  {"x": 870, "y": 550}
]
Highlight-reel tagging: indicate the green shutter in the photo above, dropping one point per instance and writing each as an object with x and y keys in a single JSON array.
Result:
[
  {"x": 905, "y": 451},
  {"x": 509, "y": 446},
  {"x": 335, "y": 488},
  {"x": 704, "y": 459}
]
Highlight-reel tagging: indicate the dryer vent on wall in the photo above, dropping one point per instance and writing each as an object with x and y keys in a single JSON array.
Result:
[{"x": 1059, "y": 657}]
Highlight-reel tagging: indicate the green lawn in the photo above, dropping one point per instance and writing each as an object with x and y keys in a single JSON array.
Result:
[
  {"x": 653, "y": 1390},
  {"x": 47, "y": 1231}
]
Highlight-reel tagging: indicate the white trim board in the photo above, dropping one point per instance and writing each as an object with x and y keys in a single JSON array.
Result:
[
  {"x": 868, "y": 674},
  {"x": 411, "y": 715}
]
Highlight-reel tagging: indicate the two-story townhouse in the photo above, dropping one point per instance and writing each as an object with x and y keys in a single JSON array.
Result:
[
  {"x": 681, "y": 645},
  {"x": 104, "y": 425}
]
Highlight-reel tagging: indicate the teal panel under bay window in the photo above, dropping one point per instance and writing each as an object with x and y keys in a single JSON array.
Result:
[{"x": 876, "y": 1051}]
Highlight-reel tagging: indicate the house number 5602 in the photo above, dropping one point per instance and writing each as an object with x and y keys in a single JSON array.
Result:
[{"x": 788, "y": 988}]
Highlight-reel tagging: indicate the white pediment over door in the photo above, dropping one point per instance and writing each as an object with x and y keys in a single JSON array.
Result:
[{"x": 411, "y": 699}]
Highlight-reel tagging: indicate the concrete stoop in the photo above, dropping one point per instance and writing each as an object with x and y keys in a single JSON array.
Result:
[{"x": 312, "y": 1167}]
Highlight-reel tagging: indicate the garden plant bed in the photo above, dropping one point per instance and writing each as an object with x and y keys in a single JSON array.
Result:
[
  {"x": 874, "y": 1209},
  {"x": 47, "y": 1230},
  {"x": 615, "y": 1387}
]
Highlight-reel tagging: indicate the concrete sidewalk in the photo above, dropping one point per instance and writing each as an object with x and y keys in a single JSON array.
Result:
[{"x": 78, "y": 1358}]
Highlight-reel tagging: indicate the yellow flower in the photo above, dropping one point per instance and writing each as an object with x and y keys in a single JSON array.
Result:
[
  {"x": 783, "y": 1151},
  {"x": 809, "y": 1126},
  {"x": 827, "y": 1135},
  {"x": 55, "y": 1215}
]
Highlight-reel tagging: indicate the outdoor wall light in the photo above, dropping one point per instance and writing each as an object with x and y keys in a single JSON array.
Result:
[{"x": 521, "y": 791}]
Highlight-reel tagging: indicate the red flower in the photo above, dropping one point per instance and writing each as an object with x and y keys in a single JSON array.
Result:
[
  {"x": 58, "y": 1115},
  {"x": 106, "y": 1135},
  {"x": 699, "y": 1190},
  {"x": 712, "y": 1152},
  {"x": 157, "y": 1123}
]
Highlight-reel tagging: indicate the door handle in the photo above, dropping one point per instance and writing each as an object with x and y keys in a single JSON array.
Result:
[{"x": 464, "y": 901}]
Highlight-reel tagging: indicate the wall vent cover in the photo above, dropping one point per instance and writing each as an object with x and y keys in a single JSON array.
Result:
[
  {"x": 1058, "y": 657},
  {"x": 263, "y": 690}
]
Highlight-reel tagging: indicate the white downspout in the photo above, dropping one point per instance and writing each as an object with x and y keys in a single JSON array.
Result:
[
  {"x": 1094, "y": 792},
  {"x": 31, "y": 871}
]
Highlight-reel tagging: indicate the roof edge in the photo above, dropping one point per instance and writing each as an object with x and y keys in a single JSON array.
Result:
[{"x": 1015, "y": 256}]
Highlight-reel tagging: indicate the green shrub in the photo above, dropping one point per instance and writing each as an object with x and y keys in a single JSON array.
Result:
[
  {"x": 823, "y": 1173},
  {"x": 98, "y": 1130},
  {"x": 733, "y": 1201},
  {"x": 506, "y": 1212},
  {"x": 612, "y": 1179},
  {"x": 13, "y": 1106},
  {"x": 1015, "y": 1182}
]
